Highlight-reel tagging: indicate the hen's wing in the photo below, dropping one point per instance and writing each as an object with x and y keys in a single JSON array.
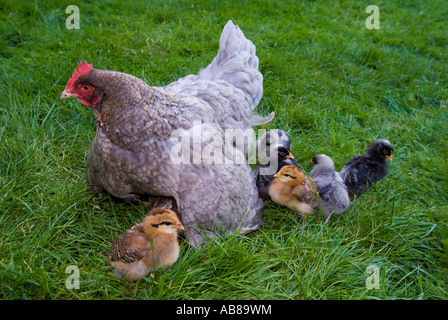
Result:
[{"x": 215, "y": 195}]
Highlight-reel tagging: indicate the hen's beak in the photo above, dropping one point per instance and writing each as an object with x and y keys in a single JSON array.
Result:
[
  {"x": 65, "y": 94},
  {"x": 389, "y": 157}
]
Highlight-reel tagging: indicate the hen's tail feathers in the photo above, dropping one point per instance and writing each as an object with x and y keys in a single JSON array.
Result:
[
  {"x": 236, "y": 63},
  {"x": 257, "y": 119}
]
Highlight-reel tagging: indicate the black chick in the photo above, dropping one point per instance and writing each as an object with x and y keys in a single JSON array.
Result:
[
  {"x": 360, "y": 172},
  {"x": 264, "y": 174},
  {"x": 268, "y": 140}
]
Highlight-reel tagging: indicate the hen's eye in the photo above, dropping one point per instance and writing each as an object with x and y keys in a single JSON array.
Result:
[{"x": 85, "y": 88}]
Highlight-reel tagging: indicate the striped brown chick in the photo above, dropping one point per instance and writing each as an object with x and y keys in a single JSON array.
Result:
[
  {"x": 147, "y": 246},
  {"x": 292, "y": 188}
]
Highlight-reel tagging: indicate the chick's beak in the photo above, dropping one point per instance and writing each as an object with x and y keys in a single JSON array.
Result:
[
  {"x": 276, "y": 175},
  {"x": 179, "y": 226},
  {"x": 389, "y": 157},
  {"x": 290, "y": 156},
  {"x": 65, "y": 94}
]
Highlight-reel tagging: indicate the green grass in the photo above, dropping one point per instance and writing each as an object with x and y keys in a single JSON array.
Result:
[{"x": 335, "y": 85}]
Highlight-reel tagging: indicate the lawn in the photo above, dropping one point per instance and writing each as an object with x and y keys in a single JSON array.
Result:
[{"x": 335, "y": 86}]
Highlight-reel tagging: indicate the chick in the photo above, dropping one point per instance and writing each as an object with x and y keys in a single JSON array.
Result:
[
  {"x": 269, "y": 139},
  {"x": 333, "y": 193},
  {"x": 263, "y": 175},
  {"x": 360, "y": 172},
  {"x": 291, "y": 188},
  {"x": 147, "y": 246}
]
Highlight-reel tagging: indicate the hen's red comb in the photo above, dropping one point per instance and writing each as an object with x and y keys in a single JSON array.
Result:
[{"x": 83, "y": 68}]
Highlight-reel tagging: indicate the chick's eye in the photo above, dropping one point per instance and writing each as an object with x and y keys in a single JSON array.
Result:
[
  {"x": 167, "y": 223},
  {"x": 385, "y": 151},
  {"x": 282, "y": 153},
  {"x": 85, "y": 88}
]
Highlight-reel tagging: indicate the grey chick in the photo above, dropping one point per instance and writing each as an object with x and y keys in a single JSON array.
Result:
[
  {"x": 263, "y": 175},
  {"x": 333, "y": 193},
  {"x": 360, "y": 172}
]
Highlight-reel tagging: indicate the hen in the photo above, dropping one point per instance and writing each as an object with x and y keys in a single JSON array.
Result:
[{"x": 170, "y": 141}]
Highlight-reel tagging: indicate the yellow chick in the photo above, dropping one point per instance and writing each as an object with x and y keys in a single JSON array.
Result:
[
  {"x": 292, "y": 188},
  {"x": 147, "y": 246}
]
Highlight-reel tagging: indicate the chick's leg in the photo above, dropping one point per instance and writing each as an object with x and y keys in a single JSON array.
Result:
[{"x": 326, "y": 213}]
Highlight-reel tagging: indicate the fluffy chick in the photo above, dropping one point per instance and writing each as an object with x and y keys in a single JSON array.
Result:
[
  {"x": 147, "y": 246},
  {"x": 291, "y": 188},
  {"x": 264, "y": 174},
  {"x": 333, "y": 193},
  {"x": 360, "y": 172}
]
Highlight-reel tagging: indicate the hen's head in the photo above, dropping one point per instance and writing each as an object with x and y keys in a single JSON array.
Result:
[{"x": 80, "y": 87}]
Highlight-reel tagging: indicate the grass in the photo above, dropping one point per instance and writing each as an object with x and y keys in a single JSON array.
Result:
[{"x": 335, "y": 86}]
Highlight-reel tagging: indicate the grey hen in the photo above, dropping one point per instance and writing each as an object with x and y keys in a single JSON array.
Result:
[
  {"x": 168, "y": 141},
  {"x": 333, "y": 193},
  {"x": 360, "y": 172}
]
